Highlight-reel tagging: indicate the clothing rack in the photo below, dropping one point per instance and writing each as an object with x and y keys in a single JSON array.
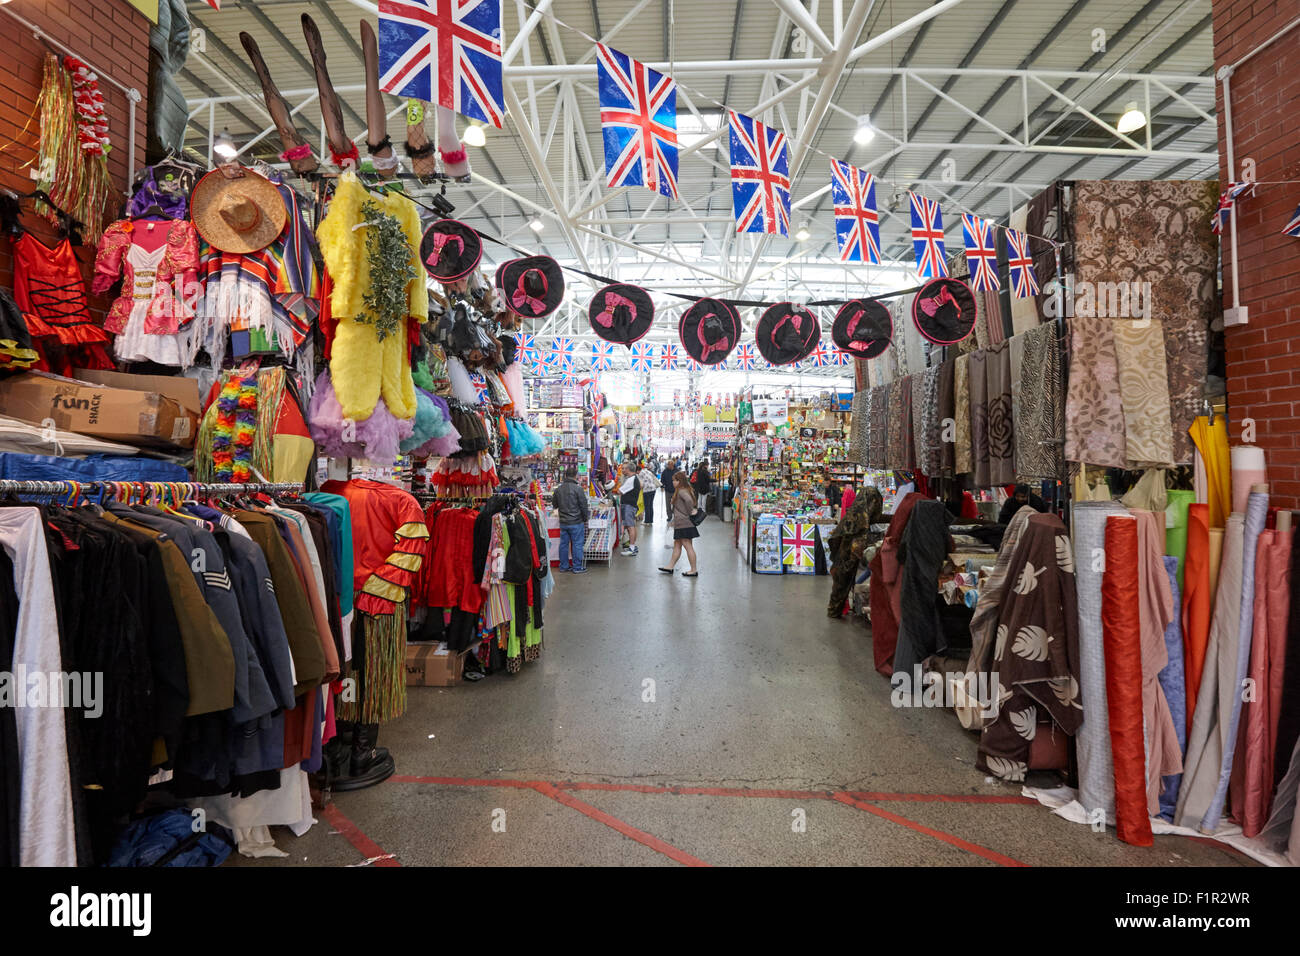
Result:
[{"x": 144, "y": 489}]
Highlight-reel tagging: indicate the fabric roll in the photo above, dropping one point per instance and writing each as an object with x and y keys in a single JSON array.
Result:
[
  {"x": 1164, "y": 756},
  {"x": 925, "y": 548},
  {"x": 979, "y": 418},
  {"x": 961, "y": 415},
  {"x": 1211, "y": 443},
  {"x": 1149, "y": 493},
  {"x": 1176, "y": 528},
  {"x": 947, "y": 417},
  {"x": 1001, "y": 431},
  {"x": 1096, "y": 773},
  {"x": 1094, "y": 418},
  {"x": 995, "y": 317},
  {"x": 1216, "y": 562},
  {"x": 1173, "y": 681},
  {"x": 1121, "y": 627},
  {"x": 886, "y": 586},
  {"x": 879, "y": 426},
  {"x": 1144, "y": 392},
  {"x": 1208, "y": 741},
  {"x": 910, "y": 387},
  {"x": 1196, "y": 607},
  {"x": 1016, "y": 350},
  {"x": 1282, "y": 832},
  {"x": 1288, "y": 721},
  {"x": 920, "y": 421},
  {"x": 894, "y": 457},
  {"x": 1039, "y": 407},
  {"x": 1256, "y": 515},
  {"x": 1247, "y": 470},
  {"x": 1251, "y": 786},
  {"x": 858, "y": 427}
]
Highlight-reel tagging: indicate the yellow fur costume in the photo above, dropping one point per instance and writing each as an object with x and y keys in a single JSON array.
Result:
[{"x": 363, "y": 368}]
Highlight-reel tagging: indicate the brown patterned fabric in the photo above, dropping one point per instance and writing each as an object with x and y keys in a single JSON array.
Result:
[
  {"x": 947, "y": 416},
  {"x": 920, "y": 408},
  {"x": 1143, "y": 392},
  {"x": 1157, "y": 232},
  {"x": 1039, "y": 415},
  {"x": 859, "y": 426},
  {"x": 908, "y": 387},
  {"x": 879, "y": 426},
  {"x": 979, "y": 417},
  {"x": 961, "y": 414},
  {"x": 1094, "y": 418},
  {"x": 894, "y": 445},
  {"x": 1001, "y": 432},
  {"x": 930, "y": 462},
  {"x": 1043, "y": 219}
]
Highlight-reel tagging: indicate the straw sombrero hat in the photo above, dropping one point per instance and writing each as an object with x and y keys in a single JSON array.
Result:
[{"x": 240, "y": 213}]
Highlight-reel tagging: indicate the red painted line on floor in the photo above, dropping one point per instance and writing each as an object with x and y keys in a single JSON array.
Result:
[
  {"x": 352, "y": 833},
  {"x": 466, "y": 781},
  {"x": 629, "y": 831},
  {"x": 948, "y": 838},
  {"x": 942, "y": 798},
  {"x": 698, "y": 791}
]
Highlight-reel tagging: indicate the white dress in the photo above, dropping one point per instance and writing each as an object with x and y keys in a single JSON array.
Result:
[{"x": 137, "y": 345}]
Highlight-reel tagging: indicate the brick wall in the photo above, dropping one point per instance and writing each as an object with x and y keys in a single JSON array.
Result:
[
  {"x": 112, "y": 36},
  {"x": 1263, "y": 357}
]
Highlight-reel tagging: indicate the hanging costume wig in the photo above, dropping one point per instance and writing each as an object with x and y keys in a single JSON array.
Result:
[{"x": 369, "y": 246}]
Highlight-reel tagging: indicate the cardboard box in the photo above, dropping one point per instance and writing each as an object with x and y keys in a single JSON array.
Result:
[
  {"x": 184, "y": 391},
  {"x": 147, "y": 418},
  {"x": 433, "y": 665}
]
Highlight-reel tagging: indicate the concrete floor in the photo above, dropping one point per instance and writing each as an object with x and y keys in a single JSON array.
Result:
[{"x": 765, "y": 713}]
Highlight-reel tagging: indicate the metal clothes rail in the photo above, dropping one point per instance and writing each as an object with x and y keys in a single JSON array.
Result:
[{"x": 143, "y": 490}]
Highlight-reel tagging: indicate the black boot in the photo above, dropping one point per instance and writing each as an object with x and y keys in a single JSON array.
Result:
[{"x": 368, "y": 764}]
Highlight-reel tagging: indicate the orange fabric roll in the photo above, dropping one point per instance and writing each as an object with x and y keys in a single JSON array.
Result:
[
  {"x": 1196, "y": 602},
  {"x": 1121, "y": 629}
]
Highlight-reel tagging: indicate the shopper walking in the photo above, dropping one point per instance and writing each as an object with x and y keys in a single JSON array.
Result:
[
  {"x": 666, "y": 483},
  {"x": 570, "y": 503},
  {"x": 684, "y": 504},
  {"x": 629, "y": 490},
  {"x": 702, "y": 481},
  {"x": 649, "y": 485}
]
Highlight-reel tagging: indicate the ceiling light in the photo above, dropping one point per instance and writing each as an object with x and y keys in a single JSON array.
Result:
[
  {"x": 224, "y": 145},
  {"x": 865, "y": 132},
  {"x": 803, "y": 235},
  {"x": 1133, "y": 119},
  {"x": 536, "y": 225},
  {"x": 474, "y": 136}
]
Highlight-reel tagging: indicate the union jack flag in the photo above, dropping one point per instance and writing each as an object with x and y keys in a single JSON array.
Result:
[
  {"x": 668, "y": 357},
  {"x": 642, "y": 356},
  {"x": 819, "y": 357},
  {"x": 798, "y": 547},
  {"x": 638, "y": 120},
  {"x": 1226, "y": 201},
  {"x": 1292, "y": 228},
  {"x": 927, "y": 237},
  {"x": 526, "y": 350},
  {"x": 840, "y": 358},
  {"x": 760, "y": 176},
  {"x": 857, "y": 221},
  {"x": 446, "y": 52},
  {"x": 602, "y": 355},
  {"x": 981, "y": 253},
  {"x": 562, "y": 353},
  {"x": 480, "y": 387},
  {"x": 745, "y": 357},
  {"x": 1020, "y": 265}
]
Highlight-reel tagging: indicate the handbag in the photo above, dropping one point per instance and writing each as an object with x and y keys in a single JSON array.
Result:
[{"x": 697, "y": 518}]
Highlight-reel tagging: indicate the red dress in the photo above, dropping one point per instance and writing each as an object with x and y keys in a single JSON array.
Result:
[{"x": 49, "y": 290}]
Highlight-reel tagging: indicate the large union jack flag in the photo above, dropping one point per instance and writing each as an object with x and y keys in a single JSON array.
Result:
[
  {"x": 642, "y": 356},
  {"x": 526, "y": 352},
  {"x": 981, "y": 252},
  {"x": 668, "y": 358},
  {"x": 927, "y": 238},
  {"x": 1020, "y": 265},
  {"x": 798, "y": 547},
  {"x": 857, "y": 221},
  {"x": 745, "y": 357},
  {"x": 446, "y": 52},
  {"x": 562, "y": 353},
  {"x": 602, "y": 355},
  {"x": 760, "y": 176},
  {"x": 638, "y": 120}
]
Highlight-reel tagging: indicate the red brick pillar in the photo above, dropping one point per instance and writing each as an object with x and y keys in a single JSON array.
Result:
[{"x": 1263, "y": 356}]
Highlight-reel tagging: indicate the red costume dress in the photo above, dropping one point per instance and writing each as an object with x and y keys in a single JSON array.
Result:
[{"x": 49, "y": 290}]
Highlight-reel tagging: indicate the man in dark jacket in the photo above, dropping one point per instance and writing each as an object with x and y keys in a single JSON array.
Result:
[
  {"x": 1022, "y": 496},
  {"x": 570, "y": 503},
  {"x": 666, "y": 483}
]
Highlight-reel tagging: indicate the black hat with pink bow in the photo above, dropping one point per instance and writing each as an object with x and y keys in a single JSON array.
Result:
[
  {"x": 709, "y": 330},
  {"x": 863, "y": 328},
  {"x": 944, "y": 311},
  {"x": 532, "y": 287},
  {"x": 621, "y": 313},
  {"x": 787, "y": 333},
  {"x": 450, "y": 250}
]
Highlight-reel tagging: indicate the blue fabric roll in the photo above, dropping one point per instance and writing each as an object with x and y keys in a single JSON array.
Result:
[
  {"x": 1173, "y": 682},
  {"x": 16, "y": 466},
  {"x": 1256, "y": 515}
]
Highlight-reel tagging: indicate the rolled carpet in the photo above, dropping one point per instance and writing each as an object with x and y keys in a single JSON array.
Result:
[
  {"x": 1096, "y": 773},
  {"x": 1121, "y": 628},
  {"x": 1196, "y": 607},
  {"x": 1208, "y": 740},
  {"x": 1176, "y": 532},
  {"x": 1256, "y": 515}
]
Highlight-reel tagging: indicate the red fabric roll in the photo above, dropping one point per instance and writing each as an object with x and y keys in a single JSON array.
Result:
[
  {"x": 1197, "y": 602},
  {"x": 1121, "y": 630}
]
